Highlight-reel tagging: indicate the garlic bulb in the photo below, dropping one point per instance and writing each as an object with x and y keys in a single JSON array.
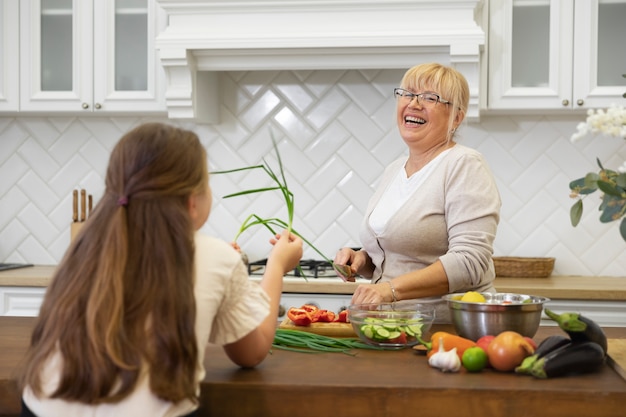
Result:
[{"x": 445, "y": 361}]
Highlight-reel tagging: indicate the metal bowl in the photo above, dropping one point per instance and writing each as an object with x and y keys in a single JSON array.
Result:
[
  {"x": 500, "y": 312},
  {"x": 391, "y": 325}
]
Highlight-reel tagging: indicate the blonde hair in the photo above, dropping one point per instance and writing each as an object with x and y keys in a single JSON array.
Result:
[
  {"x": 447, "y": 82},
  {"x": 122, "y": 299}
]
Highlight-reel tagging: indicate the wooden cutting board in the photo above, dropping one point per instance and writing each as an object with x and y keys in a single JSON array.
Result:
[
  {"x": 324, "y": 329},
  {"x": 617, "y": 356}
]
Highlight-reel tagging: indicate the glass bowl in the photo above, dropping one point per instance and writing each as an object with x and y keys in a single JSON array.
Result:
[{"x": 391, "y": 325}]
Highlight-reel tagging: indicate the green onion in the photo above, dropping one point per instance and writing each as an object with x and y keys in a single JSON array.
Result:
[
  {"x": 281, "y": 185},
  {"x": 306, "y": 342}
]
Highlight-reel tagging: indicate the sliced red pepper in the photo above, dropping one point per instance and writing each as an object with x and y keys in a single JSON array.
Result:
[
  {"x": 324, "y": 316},
  {"x": 299, "y": 316},
  {"x": 342, "y": 317},
  {"x": 310, "y": 308}
]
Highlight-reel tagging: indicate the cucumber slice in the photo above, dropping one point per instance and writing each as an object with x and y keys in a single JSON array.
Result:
[
  {"x": 368, "y": 331},
  {"x": 382, "y": 333},
  {"x": 394, "y": 334},
  {"x": 414, "y": 329}
]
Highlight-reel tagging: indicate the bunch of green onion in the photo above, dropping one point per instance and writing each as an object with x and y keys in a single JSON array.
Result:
[{"x": 306, "y": 342}]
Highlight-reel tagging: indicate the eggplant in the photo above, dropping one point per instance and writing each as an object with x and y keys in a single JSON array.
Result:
[
  {"x": 580, "y": 328},
  {"x": 546, "y": 346},
  {"x": 573, "y": 358}
]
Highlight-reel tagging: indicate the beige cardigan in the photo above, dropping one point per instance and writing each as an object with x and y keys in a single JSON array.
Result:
[{"x": 453, "y": 217}]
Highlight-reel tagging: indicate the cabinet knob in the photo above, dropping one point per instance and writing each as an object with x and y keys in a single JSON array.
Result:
[
  {"x": 580, "y": 102},
  {"x": 85, "y": 106},
  {"x": 565, "y": 103},
  {"x": 97, "y": 106}
]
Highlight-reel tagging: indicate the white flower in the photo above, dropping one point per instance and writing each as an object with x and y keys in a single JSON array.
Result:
[{"x": 611, "y": 122}]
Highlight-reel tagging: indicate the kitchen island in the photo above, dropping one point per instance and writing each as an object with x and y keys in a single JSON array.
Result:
[{"x": 371, "y": 383}]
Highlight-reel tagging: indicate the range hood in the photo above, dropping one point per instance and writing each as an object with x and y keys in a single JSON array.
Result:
[{"x": 204, "y": 37}]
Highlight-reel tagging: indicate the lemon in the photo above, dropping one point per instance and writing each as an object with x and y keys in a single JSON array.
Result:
[{"x": 473, "y": 297}]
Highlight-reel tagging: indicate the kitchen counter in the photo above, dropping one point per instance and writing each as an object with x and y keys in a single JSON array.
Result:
[
  {"x": 385, "y": 383},
  {"x": 554, "y": 287}
]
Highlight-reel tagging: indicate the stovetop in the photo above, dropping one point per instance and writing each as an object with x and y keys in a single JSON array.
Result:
[
  {"x": 6, "y": 267},
  {"x": 311, "y": 268}
]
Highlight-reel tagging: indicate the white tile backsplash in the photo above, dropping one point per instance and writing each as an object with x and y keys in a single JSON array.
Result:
[{"x": 336, "y": 133}]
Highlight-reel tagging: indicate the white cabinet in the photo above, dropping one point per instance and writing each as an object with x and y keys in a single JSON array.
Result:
[
  {"x": 9, "y": 55},
  {"x": 90, "y": 56},
  {"x": 21, "y": 301},
  {"x": 556, "y": 54}
]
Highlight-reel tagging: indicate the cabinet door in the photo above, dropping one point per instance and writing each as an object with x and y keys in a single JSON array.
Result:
[
  {"x": 530, "y": 54},
  {"x": 56, "y": 45},
  {"x": 127, "y": 74},
  {"x": 599, "y": 53},
  {"x": 556, "y": 54},
  {"x": 9, "y": 55}
]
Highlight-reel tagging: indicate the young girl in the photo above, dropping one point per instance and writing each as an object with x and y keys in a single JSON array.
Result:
[{"x": 139, "y": 294}]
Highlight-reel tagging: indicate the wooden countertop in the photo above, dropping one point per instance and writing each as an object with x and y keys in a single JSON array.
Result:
[
  {"x": 385, "y": 383},
  {"x": 554, "y": 287}
]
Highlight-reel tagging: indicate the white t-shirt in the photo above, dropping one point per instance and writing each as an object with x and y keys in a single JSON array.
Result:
[
  {"x": 228, "y": 305},
  {"x": 398, "y": 193}
]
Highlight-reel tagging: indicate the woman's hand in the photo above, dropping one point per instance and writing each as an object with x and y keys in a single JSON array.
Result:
[
  {"x": 359, "y": 262},
  {"x": 343, "y": 261},
  {"x": 372, "y": 294}
]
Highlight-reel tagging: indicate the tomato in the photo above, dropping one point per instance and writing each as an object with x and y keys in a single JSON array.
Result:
[
  {"x": 400, "y": 339},
  {"x": 474, "y": 359},
  {"x": 508, "y": 350},
  {"x": 484, "y": 341}
]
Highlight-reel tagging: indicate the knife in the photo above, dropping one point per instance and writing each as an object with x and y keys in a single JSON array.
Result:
[
  {"x": 345, "y": 272},
  {"x": 75, "y": 206},
  {"x": 82, "y": 205}
]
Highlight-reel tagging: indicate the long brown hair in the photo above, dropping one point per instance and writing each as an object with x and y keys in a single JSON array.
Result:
[{"x": 122, "y": 298}]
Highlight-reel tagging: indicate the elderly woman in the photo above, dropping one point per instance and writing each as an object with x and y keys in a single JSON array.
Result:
[{"x": 429, "y": 227}]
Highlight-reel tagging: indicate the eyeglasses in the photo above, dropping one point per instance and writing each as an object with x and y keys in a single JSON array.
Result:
[{"x": 428, "y": 100}]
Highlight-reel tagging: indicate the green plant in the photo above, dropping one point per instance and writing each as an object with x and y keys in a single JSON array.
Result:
[
  {"x": 613, "y": 205},
  {"x": 273, "y": 223},
  {"x": 611, "y": 122}
]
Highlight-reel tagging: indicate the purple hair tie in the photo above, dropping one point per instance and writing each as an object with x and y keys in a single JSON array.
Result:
[{"x": 122, "y": 201}]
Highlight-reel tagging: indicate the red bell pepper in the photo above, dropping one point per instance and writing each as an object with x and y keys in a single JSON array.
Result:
[
  {"x": 310, "y": 308},
  {"x": 342, "y": 317},
  {"x": 325, "y": 316},
  {"x": 299, "y": 316}
]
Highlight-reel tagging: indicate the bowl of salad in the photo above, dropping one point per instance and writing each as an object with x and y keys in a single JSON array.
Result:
[{"x": 392, "y": 325}]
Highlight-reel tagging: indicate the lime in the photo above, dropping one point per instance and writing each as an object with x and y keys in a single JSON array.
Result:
[
  {"x": 473, "y": 297},
  {"x": 474, "y": 359}
]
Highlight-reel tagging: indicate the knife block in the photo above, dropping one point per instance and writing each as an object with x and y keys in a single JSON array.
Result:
[{"x": 74, "y": 229}]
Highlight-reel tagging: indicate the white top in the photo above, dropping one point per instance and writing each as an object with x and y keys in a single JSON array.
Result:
[
  {"x": 398, "y": 193},
  {"x": 228, "y": 305}
]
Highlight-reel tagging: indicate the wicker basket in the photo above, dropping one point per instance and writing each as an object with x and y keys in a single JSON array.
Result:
[{"x": 523, "y": 267}]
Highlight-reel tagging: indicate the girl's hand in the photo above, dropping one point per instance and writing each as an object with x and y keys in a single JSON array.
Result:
[{"x": 287, "y": 250}]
